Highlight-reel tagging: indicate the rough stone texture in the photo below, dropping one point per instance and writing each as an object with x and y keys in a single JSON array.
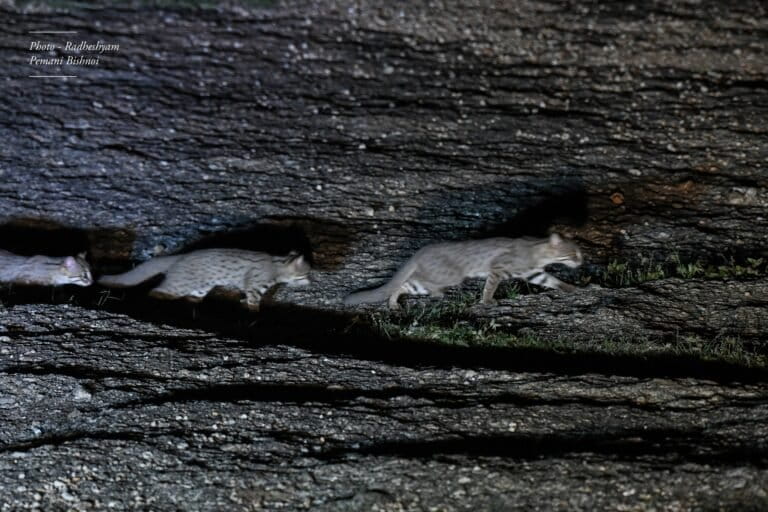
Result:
[
  {"x": 184, "y": 417},
  {"x": 360, "y": 132},
  {"x": 660, "y": 309}
]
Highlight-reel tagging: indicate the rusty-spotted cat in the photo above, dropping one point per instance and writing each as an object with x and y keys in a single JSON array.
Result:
[
  {"x": 195, "y": 274},
  {"x": 438, "y": 266}
]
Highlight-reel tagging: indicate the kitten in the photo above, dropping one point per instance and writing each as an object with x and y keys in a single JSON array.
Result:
[
  {"x": 44, "y": 270},
  {"x": 194, "y": 274},
  {"x": 438, "y": 266}
]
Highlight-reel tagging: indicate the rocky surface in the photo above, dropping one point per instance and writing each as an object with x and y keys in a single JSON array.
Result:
[
  {"x": 182, "y": 417},
  {"x": 358, "y": 132},
  {"x": 661, "y": 309}
]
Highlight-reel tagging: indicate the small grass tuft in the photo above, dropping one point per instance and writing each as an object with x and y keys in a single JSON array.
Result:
[
  {"x": 752, "y": 267},
  {"x": 688, "y": 270},
  {"x": 624, "y": 274},
  {"x": 629, "y": 273},
  {"x": 512, "y": 292},
  {"x": 449, "y": 322}
]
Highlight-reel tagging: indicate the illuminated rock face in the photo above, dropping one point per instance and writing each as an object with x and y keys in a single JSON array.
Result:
[{"x": 355, "y": 135}]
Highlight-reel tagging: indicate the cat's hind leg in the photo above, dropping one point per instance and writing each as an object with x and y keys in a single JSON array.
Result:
[{"x": 396, "y": 295}]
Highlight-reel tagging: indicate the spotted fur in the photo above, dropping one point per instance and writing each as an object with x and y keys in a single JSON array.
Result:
[{"x": 193, "y": 275}]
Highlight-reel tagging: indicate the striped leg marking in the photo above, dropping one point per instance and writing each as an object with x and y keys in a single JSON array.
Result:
[{"x": 550, "y": 281}]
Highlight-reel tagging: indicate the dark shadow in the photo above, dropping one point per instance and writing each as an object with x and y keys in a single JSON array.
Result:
[
  {"x": 557, "y": 204},
  {"x": 28, "y": 237},
  {"x": 269, "y": 238},
  {"x": 110, "y": 246},
  {"x": 513, "y": 207},
  {"x": 324, "y": 243},
  {"x": 677, "y": 445}
]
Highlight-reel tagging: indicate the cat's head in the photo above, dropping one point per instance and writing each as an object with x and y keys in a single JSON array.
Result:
[
  {"x": 295, "y": 270},
  {"x": 74, "y": 270},
  {"x": 559, "y": 250}
]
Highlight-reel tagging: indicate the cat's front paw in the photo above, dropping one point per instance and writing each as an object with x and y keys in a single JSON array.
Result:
[
  {"x": 489, "y": 302},
  {"x": 567, "y": 287}
]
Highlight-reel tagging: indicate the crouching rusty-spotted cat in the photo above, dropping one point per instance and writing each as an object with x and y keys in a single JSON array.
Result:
[
  {"x": 44, "y": 270},
  {"x": 193, "y": 275},
  {"x": 438, "y": 266}
]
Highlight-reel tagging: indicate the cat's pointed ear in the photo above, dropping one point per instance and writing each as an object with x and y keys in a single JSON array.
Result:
[
  {"x": 293, "y": 258},
  {"x": 554, "y": 239},
  {"x": 81, "y": 255}
]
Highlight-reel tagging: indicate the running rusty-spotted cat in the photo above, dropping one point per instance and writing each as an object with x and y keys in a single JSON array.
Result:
[
  {"x": 194, "y": 274},
  {"x": 438, "y": 266}
]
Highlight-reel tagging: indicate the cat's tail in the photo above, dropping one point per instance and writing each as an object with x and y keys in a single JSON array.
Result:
[
  {"x": 379, "y": 294},
  {"x": 139, "y": 274},
  {"x": 383, "y": 292}
]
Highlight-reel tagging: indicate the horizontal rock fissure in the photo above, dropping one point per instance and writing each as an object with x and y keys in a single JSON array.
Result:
[
  {"x": 670, "y": 445},
  {"x": 341, "y": 334}
]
